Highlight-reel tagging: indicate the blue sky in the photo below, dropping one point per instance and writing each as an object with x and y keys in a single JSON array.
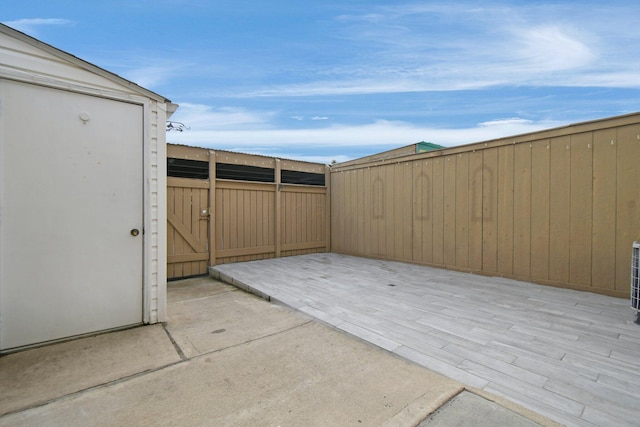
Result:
[{"x": 325, "y": 80}]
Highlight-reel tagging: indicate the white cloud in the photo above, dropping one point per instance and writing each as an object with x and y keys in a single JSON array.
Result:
[
  {"x": 320, "y": 118},
  {"x": 506, "y": 122},
  {"x": 204, "y": 118},
  {"x": 551, "y": 48},
  {"x": 381, "y": 133},
  {"x": 30, "y": 25},
  {"x": 150, "y": 77},
  {"x": 299, "y": 118}
]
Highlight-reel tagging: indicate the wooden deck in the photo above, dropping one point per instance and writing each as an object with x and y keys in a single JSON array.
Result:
[{"x": 571, "y": 356}]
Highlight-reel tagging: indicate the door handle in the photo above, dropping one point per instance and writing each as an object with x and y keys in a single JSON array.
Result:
[{"x": 135, "y": 232}]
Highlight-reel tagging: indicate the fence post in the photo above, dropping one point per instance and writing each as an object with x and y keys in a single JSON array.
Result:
[
  {"x": 278, "y": 208},
  {"x": 212, "y": 208},
  {"x": 327, "y": 213}
]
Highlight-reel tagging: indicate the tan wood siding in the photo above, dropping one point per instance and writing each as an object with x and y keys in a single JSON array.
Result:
[
  {"x": 627, "y": 144},
  {"x": 558, "y": 207}
]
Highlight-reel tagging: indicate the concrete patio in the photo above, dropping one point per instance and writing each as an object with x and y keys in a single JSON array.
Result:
[
  {"x": 571, "y": 356},
  {"x": 228, "y": 358}
]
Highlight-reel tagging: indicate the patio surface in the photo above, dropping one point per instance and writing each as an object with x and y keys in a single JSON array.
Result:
[
  {"x": 228, "y": 358},
  {"x": 571, "y": 356}
]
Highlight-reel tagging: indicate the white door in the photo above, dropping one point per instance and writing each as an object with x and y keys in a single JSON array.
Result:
[{"x": 71, "y": 192}]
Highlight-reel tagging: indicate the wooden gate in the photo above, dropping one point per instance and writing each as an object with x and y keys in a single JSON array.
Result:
[
  {"x": 187, "y": 227},
  {"x": 227, "y": 207}
]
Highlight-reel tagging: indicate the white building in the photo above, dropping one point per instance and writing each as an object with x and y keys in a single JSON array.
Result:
[{"x": 82, "y": 196}]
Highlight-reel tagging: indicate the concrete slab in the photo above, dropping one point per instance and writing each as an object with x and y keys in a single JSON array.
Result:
[
  {"x": 304, "y": 373},
  {"x": 226, "y": 317},
  {"x": 470, "y": 410},
  {"x": 35, "y": 376},
  {"x": 193, "y": 288}
]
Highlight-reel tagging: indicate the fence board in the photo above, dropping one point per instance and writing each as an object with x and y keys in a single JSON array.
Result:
[
  {"x": 360, "y": 203},
  {"x": 581, "y": 209},
  {"x": 475, "y": 211},
  {"x": 559, "y": 210},
  {"x": 490, "y": 210},
  {"x": 539, "y": 209},
  {"x": 627, "y": 200},
  {"x": 505, "y": 209},
  {"x": 522, "y": 211},
  {"x": 462, "y": 210},
  {"x": 603, "y": 242},
  {"x": 337, "y": 211},
  {"x": 370, "y": 240},
  {"x": 405, "y": 210},
  {"x": 438, "y": 212},
  {"x": 449, "y": 208},
  {"x": 388, "y": 248}
]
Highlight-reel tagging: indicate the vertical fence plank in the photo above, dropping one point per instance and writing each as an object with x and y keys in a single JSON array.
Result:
[
  {"x": 540, "y": 209},
  {"x": 220, "y": 220},
  {"x": 522, "y": 211},
  {"x": 438, "y": 212},
  {"x": 462, "y": 211},
  {"x": 603, "y": 242},
  {"x": 327, "y": 208},
  {"x": 388, "y": 190},
  {"x": 337, "y": 212},
  {"x": 212, "y": 208},
  {"x": 359, "y": 176},
  {"x": 427, "y": 209},
  {"x": 559, "y": 209},
  {"x": 407, "y": 220},
  {"x": 186, "y": 217},
  {"x": 475, "y": 211},
  {"x": 449, "y": 196},
  {"x": 278, "y": 207},
  {"x": 490, "y": 210},
  {"x": 377, "y": 210},
  {"x": 505, "y": 209},
  {"x": 171, "y": 238},
  {"x": 581, "y": 209},
  {"x": 398, "y": 195},
  {"x": 365, "y": 213},
  {"x": 418, "y": 182}
]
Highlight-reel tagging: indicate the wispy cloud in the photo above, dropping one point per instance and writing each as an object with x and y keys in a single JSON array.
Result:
[
  {"x": 448, "y": 47},
  {"x": 31, "y": 25},
  {"x": 204, "y": 118},
  {"x": 379, "y": 135},
  {"x": 151, "y": 76},
  {"x": 552, "y": 48}
]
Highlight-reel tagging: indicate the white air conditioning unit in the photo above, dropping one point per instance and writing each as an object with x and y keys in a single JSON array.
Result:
[{"x": 635, "y": 277}]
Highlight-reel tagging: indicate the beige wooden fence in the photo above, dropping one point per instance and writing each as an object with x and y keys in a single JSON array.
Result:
[
  {"x": 558, "y": 207},
  {"x": 216, "y": 221}
]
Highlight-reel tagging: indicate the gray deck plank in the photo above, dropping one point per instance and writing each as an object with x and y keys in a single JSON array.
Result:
[{"x": 571, "y": 356}]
